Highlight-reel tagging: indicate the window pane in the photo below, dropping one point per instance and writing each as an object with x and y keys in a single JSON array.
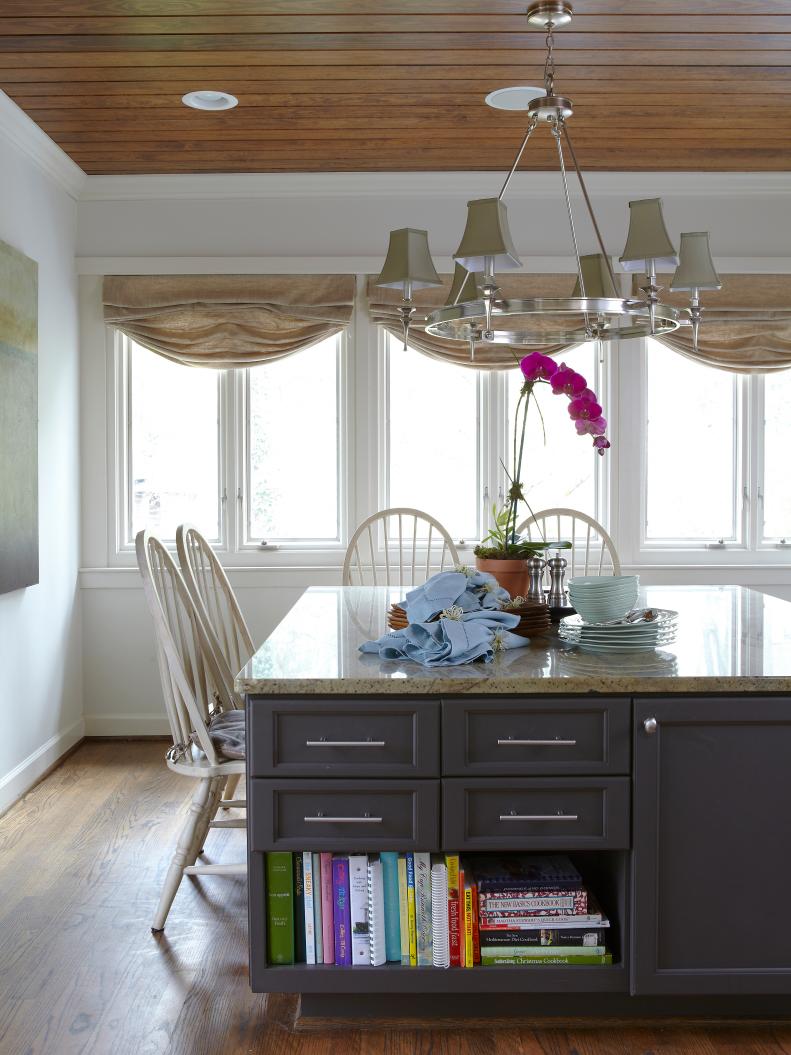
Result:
[
  {"x": 692, "y": 440},
  {"x": 562, "y": 471},
  {"x": 173, "y": 445},
  {"x": 433, "y": 438},
  {"x": 777, "y": 444},
  {"x": 293, "y": 446}
]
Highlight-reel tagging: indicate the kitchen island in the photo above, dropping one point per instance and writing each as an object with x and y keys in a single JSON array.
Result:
[{"x": 666, "y": 775}]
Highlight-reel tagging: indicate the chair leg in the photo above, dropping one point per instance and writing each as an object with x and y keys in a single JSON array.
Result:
[
  {"x": 195, "y": 815},
  {"x": 202, "y": 828},
  {"x": 230, "y": 786}
]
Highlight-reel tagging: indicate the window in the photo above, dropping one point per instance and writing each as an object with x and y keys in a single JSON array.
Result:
[
  {"x": 433, "y": 438},
  {"x": 173, "y": 449},
  {"x": 693, "y": 450},
  {"x": 559, "y": 468},
  {"x": 775, "y": 498},
  {"x": 292, "y": 446}
]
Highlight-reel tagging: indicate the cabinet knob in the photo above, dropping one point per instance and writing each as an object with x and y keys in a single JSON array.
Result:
[{"x": 650, "y": 726}]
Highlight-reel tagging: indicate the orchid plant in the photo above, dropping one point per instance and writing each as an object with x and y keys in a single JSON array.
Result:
[{"x": 586, "y": 413}]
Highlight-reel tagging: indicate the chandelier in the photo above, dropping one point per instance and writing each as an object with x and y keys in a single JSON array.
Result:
[{"x": 476, "y": 312}]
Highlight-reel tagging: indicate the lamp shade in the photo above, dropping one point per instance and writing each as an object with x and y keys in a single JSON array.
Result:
[
  {"x": 596, "y": 276},
  {"x": 408, "y": 260},
  {"x": 696, "y": 268},
  {"x": 465, "y": 286},
  {"x": 487, "y": 235},
  {"x": 648, "y": 238}
]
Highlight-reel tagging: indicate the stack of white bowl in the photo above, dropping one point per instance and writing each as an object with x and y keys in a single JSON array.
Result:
[{"x": 602, "y": 598}]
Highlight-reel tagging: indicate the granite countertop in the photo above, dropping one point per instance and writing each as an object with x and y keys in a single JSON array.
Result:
[{"x": 730, "y": 639}]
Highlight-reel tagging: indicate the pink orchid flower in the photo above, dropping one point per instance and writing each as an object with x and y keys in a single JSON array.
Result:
[
  {"x": 538, "y": 367},
  {"x": 580, "y": 409},
  {"x": 601, "y": 443},
  {"x": 568, "y": 382}
]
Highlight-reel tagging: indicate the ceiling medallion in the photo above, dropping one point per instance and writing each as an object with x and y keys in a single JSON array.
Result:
[{"x": 476, "y": 313}]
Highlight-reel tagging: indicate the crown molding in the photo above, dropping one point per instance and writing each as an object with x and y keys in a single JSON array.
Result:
[
  {"x": 235, "y": 185},
  {"x": 27, "y": 137}
]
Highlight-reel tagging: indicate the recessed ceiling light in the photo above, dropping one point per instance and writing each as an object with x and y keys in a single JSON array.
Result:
[
  {"x": 206, "y": 100},
  {"x": 517, "y": 98}
]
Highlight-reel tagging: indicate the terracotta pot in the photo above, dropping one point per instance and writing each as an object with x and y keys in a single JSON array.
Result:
[{"x": 511, "y": 574}]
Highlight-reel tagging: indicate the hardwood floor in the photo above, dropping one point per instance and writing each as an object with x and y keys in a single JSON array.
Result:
[{"x": 82, "y": 859}]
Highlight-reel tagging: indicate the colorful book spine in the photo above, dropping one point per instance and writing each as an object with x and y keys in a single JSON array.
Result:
[
  {"x": 341, "y": 911},
  {"x": 358, "y": 909},
  {"x": 318, "y": 924},
  {"x": 530, "y": 903},
  {"x": 423, "y": 908},
  {"x": 454, "y": 910},
  {"x": 539, "y": 953},
  {"x": 581, "y": 960},
  {"x": 412, "y": 918},
  {"x": 376, "y": 911},
  {"x": 403, "y": 910},
  {"x": 476, "y": 940},
  {"x": 299, "y": 909},
  {"x": 543, "y": 919},
  {"x": 462, "y": 934},
  {"x": 327, "y": 909},
  {"x": 579, "y": 937},
  {"x": 469, "y": 956},
  {"x": 279, "y": 908},
  {"x": 310, "y": 933},
  {"x": 392, "y": 914}
]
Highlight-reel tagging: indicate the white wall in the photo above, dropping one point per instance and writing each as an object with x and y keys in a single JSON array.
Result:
[
  {"x": 302, "y": 223},
  {"x": 40, "y": 645}
]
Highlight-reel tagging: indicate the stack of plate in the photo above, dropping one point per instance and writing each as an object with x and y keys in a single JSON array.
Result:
[
  {"x": 534, "y": 620},
  {"x": 599, "y": 598},
  {"x": 396, "y": 618},
  {"x": 622, "y": 636}
]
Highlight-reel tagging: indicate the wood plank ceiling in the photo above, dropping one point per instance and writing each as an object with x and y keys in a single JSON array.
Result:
[{"x": 398, "y": 85}]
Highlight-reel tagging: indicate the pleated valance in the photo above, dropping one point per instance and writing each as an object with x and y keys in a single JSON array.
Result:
[
  {"x": 746, "y": 325},
  {"x": 228, "y": 320},
  {"x": 383, "y": 306}
]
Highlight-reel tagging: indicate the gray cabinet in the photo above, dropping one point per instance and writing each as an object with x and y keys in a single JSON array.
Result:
[{"x": 712, "y": 846}]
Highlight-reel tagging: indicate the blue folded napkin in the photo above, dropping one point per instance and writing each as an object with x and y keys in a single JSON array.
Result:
[{"x": 468, "y": 590}]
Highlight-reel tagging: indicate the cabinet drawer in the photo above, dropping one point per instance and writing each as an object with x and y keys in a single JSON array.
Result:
[
  {"x": 536, "y": 814},
  {"x": 344, "y": 815},
  {"x": 354, "y": 738},
  {"x": 493, "y": 737}
]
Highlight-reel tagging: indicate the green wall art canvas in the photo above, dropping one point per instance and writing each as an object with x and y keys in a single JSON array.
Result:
[{"x": 18, "y": 420}]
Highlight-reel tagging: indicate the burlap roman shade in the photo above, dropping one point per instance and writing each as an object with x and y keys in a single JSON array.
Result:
[
  {"x": 228, "y": 320},
  {"x": 383, "y": 309},
  {"x": 746, "y": 325}
]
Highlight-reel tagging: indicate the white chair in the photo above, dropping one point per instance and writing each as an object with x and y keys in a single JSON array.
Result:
[
  {"x": 215, "y": 600},
  {"x": 407, "y": 551},
  {"x": 196, "y": 701},
  {"x": 593, "y": 551}
]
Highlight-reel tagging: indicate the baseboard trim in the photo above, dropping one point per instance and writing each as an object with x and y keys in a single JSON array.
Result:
[
  {"x": 38, "y": 764},
  {"x": 126, "y": 725}
]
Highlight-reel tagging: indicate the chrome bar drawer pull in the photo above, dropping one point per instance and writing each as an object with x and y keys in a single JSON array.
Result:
[
  {"x": 514, "y": 816},
  {"x": 557, "y": 742},
  {"x": 321, "y": 819},
  {"x": 345, "y": 743}
]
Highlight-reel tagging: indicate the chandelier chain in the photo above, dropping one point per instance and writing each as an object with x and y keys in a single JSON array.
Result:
[{"x": 549, "y": 64}]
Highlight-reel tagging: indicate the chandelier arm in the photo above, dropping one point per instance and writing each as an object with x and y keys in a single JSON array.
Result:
[
  {"x": 588, "y": 205},
  {"x": 556, "y": 134},
  {"x": 530, "y": 129}
]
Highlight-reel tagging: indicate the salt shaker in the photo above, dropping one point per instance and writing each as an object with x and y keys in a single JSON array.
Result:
[
  {"x": 557, "y": 572},
  {"x": 535, "y": 569}
]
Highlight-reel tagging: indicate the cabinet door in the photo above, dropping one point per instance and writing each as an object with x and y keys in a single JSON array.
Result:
[{"x": 712, "y": 845}]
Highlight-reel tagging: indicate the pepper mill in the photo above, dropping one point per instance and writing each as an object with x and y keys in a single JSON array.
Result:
[
  {"x": 557, "y": 572},
  {"x": 535, "y": 569}
]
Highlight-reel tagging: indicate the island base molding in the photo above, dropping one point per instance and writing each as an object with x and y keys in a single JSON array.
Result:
[{"x": 316, "y": 1009}]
